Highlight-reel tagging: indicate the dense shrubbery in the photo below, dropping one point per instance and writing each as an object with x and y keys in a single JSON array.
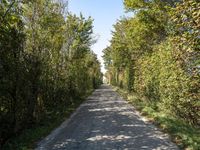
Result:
[
  {"x": 46, "y": 64},
  {"x": 163, "y": 81},
  {"x": 161, "y": 47}
]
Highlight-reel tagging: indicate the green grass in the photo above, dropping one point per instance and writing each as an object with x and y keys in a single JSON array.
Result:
[
  {"x": 183, "y": 134},
  {"x": 28, "y": 139}
]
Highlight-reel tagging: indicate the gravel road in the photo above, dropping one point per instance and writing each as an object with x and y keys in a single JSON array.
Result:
[{"x": 106, "y": 122}]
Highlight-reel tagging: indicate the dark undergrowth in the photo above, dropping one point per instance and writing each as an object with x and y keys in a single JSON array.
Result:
[
  {"x": 28, "y": 139},
  {"x": 186, "y": 136}
]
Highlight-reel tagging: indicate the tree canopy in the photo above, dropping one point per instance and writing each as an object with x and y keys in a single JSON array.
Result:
[
  {"x": 156, "y": 54},
  {"x": 46, "y": 62}
]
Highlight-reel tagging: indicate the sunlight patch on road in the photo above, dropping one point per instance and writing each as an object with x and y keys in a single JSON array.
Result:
[
  {"x": 106, "y": 137},
  {"x": 126, "y": 113},
  {"x": 108, "y": 109},
  {"x": 63, "y": 144},
  {"x": 133, "y": 125}
]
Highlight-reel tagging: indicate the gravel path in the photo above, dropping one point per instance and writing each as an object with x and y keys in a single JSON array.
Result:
[{"x": 106, "y": 122}]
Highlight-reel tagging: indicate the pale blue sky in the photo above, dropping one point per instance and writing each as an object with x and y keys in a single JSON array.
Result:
[{"x": 105, "y": 13}]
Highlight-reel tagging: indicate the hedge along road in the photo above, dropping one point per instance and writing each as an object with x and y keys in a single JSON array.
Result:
[{"x": 104, "y": 122}]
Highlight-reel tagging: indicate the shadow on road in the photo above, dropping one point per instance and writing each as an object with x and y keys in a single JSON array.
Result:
[{"x": 106, "y": 121}]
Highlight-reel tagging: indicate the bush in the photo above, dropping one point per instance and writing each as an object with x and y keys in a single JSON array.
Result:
[{"x": 161, "y": 78}]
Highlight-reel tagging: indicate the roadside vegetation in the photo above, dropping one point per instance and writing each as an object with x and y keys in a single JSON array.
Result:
[
  {"x": 29, "y": 137},
  {"x": 47, "y": 68},
  {"x": 185, "y": 135},
  {"x": 156, "y": 55}
]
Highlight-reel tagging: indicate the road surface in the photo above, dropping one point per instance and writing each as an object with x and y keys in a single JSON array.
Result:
[{"x": 106, "y": 122}]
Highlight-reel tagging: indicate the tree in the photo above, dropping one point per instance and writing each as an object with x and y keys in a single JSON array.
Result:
[
  {"x": 46, "y": 63},
  {"x": 156, "y": 54}
]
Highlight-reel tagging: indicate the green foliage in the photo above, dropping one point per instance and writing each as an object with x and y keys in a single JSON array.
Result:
[
  {"x": 161, "y": 79},
  {"x": 183, "y": 134},
  {"x": 46, "y": 63},
  {"x": 136, "y": 4},
  {"x": 27, "y": 139},
  {"x": 156, "y": 54}
]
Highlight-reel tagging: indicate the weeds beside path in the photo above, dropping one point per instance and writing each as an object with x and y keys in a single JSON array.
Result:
[
  {"x": 184, "y": 135},
  {"x": 29, "y": 137}
]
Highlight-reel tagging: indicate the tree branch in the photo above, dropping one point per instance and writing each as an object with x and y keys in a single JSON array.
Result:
[{"x": 8, "y": 10}]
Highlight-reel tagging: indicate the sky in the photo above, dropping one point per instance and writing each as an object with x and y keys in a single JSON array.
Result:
[{"x": 105, "y": 14}]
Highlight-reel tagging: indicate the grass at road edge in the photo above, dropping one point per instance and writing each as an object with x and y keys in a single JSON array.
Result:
[
  {"x": 29, "y": 138},
  {"x": 184, "y": 135}
]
